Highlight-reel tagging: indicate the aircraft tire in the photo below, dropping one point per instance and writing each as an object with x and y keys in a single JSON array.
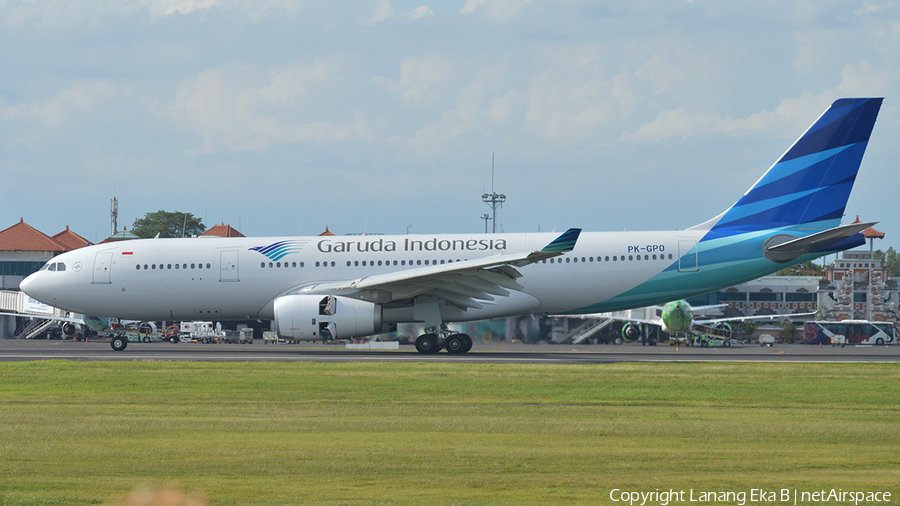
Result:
[
  {"x": 468, "y": 339},
  {"x": 427, "y": 344},
  {"x": 455, "y": 344},
  {"x": 617, "y": 340},
  {"x": 118, "y": 343}
]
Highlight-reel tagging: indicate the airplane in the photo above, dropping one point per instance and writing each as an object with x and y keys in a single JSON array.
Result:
[
  {"x": 331, "y": 287},
  {"x": 678, "y": 316}
]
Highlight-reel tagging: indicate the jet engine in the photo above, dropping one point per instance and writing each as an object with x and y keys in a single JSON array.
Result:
[
  {"x": 631, "y": 331},
  {"x": 329, "y": 317}
]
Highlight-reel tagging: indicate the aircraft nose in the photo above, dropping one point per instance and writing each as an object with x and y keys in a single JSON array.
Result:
[
  {"x": 35, "y": 286},
  {"x": 27, "y": 285}
]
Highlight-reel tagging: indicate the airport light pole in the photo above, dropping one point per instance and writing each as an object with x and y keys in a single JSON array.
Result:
[{"x": 494, "y": 201}]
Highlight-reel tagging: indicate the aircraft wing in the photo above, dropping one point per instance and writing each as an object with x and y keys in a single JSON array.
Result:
[
  {"x": 45, "y": 317},
  {"x": 758, "y": 317},
  {"x": 461, "y": 284}
]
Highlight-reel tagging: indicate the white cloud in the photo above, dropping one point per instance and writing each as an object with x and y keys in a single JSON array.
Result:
[
  {"x": 230, "y": 109},
  {"x": 471, "y": 5},
  {"x": 159, "y": 8},
  {"x": 421, "y": 12},
  {"x": 421, "y": 79},
  {"x": 497, "y": 10},
  {"x": 382, "y": 11}
]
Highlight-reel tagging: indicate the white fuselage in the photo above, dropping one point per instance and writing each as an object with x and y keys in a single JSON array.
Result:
[{"x": 223, "y": 278}]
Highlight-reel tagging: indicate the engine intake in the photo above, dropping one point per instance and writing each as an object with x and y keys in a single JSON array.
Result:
[{"x": 314, "y": 317}]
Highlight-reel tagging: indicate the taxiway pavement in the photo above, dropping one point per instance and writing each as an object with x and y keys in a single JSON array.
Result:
[{"x": 21, "y": 350}]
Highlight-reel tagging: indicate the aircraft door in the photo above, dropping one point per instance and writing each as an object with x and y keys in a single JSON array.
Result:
[
  {"x": 229, "y": 266},
  {"x": 102, "y": 264},
  {"x": 688, "y": 259}
]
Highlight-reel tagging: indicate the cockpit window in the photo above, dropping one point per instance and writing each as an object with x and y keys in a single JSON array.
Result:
[
  {"x": 60, "y": 266},
  {"x": 52, "y": 267},
  {"x": 45, "y": 267}
]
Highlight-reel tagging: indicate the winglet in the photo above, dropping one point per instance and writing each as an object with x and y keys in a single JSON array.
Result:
[{"x": 563, "y": 243}]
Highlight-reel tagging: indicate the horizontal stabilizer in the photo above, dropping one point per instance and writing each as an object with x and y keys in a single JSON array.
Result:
[{"x": 784, "y": 248}]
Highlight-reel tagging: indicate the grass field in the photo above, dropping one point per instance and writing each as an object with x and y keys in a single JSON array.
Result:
[{"x": 387, "y": 433}]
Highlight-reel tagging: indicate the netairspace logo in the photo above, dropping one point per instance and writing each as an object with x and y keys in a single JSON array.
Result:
[{"x": 753, "y": 496}]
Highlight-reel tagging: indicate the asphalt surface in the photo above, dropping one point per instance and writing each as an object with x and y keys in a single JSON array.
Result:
[{"x": 20, "y": 350}]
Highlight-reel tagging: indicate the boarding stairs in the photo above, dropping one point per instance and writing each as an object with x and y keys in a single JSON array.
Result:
[
  {"x": 584, "y": 331},
  {"x": 33, "y": 328}
]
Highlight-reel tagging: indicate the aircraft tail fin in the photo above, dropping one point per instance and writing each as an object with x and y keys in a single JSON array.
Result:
[{"x": 811, "y": 182}]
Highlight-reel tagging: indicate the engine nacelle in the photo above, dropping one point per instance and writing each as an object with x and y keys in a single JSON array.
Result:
[
  {"x": 315, "y": 317},
  {"x": 631, "y": 331}
]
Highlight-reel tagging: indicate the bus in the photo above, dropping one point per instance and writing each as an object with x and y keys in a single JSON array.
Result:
[{"x": 854, "y": 332}]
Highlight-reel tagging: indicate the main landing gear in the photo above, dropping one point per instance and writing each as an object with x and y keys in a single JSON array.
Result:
[{"x": 453, "y": 343}]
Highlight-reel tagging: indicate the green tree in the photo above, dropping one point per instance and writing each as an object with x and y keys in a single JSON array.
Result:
[
  {"x": 166, "y": 224},
  {"x": 808, "y": 268},
  {"x": 890, "y": 259},
  {"x": 789, "y": 332}
]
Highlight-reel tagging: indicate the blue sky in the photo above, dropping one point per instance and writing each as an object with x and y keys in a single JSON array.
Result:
[{"x": 283, "y": 117}]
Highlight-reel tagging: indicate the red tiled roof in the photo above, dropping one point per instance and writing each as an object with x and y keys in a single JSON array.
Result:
[
  {"x": 223, "y": 230},
  {"x": 70, "y": 239},
  {"x": 326, "y": 232},
  {"x": 24, "y": 237},
  {"x": 870, "y": 233}
]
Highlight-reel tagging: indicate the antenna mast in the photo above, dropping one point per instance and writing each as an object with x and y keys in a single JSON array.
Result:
[{"x": 114, "y": 215}]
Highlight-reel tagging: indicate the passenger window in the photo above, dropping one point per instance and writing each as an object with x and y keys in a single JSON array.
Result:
[
  {"x": 176, "y": 266},
  {"x": 262, "y": 264}
]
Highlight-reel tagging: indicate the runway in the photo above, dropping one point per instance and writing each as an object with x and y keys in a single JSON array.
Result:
[{"x": 20, "y": 350}]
